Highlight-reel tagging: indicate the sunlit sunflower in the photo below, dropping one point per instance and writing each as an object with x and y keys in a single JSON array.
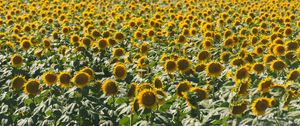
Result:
[
  {"x": 277, "y": 65},
  {"x": 81, "y": 79},
  {"x": 95, "y": 33},
  {"x": 265, "y": 85},
  {"x": 182, "y": 87},
  {"x": 293, "y": 74},
  {"x": 16, "y": 60},
  {"x": 203, "y": 55},
  {"x": 110, "y": 88},
  {"x": 195, "y": 95},
  {"x": 49, "y": 78},
  {"x": 89, "y": 71},
  {"x": 242, "y": 74},
  {"x": 120, "y": 71},
  {"x": 269, "y": 58},
  {"x": 183, "y": 64},
  {"x": 119, "y": 36},
  {"x": 181, "y": 39},
  {"x": 170, "y": 66},
  {"x": 147, "y": 98},
  {"x": 214, "y": 69},
  {"x": 260, "y": 105},
  {"x": 144, "y": 48},
  {"x": 103, "y": 43},
  {"x": 75, "y": 39},
  {"x": 258, "y": 68},
  {"x": 32, "y": 87},
  {"x": 279, "y": 50},
  {"x": 238, "y": 107},
  {"x": 118, "y": 52},
  {"x": 25, "y": 44},
  {"x": 46, "y": 43},
  {"x": 18, "y": 82},
  {"x": 64, "y": 79}
]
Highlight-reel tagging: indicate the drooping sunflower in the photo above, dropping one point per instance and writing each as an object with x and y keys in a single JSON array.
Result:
[
  {"x": 183, "y": 64},
  {"x": 214, "y": 69},
  {"x": 49, "y": 78},
  {"x": 277, "y": 65},
  {"x": 32, "y": 87},
  {"x": 120, "y": 71},
  {"x": 147, "y": 98},
  {"x": 18, "y": 82},
  {"x": 81, "y": 79},
  {"x": 16, "y": 60},
  {"x": 260, "y": 105},
  {"x": 64, "y": 79},
  {"x": 170, "y": 66},
  {"x": 182, "y": 87},
  {"x": 238, "y": 107},
  {"x": 265, "y": 85},
  {"x": 110, "y": 88}
]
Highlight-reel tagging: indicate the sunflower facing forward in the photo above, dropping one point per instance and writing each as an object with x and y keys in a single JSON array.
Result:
[
  {"x": 18, "y": 82},
  {"x": 64, "y": 79},
  {"x": 147, "y": 98},
  {"x": 170, "y": 66},
  {"x": 260, "y": 105},
  {"x": 32, "y": 87},
  {"x": 214, "y": 69},
  {"x": 16, "y": 60},
  {"x": 49, "y": 78},
  {"x": 81, "y": 79},
  {"x": 110, "y": 88},
  {"x": 120, "y": 71}
]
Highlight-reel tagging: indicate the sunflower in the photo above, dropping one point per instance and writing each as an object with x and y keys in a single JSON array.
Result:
[
  {"x": 279, "y": 50},
  {"x": 75, "y": 39},
  {"x": 65, "y": 29},
  {"x": 95, "y": 33},
  {"x": 112, "y": 41},
  {"x": 241, "y": 74},
  {"x": 89, "y": 71},
  {"x": 170, "y": 66},
  {"x": 242, "y": 88},
  {"x": 195, "y": 95},
  {"x": 118, "y": 52},
  {"x": 181, "y": 39},
  {"x": 103, "y": 43},
  {"x": 16, "y": 60},
  {"x": 200, "y": 67},
  {"x": 64, "y": 79},
  {"x": 293, "y": 74},
  {"x": 214, "y": 69},
  {"x": 49, "y": 78},
  {"x": 147, "y": 98},
  {"x": 110, "y": 88},
  {"x": 225, "y": 56},
  {"x": 119, "y": 36},
  {"x": 182, "y": 87},
  {"x": 120, "y": 71},
  {"x": 239, "y": 107},
  {"x": 157, "y": 82},
  {"x": 258, "y": 68},
  {"x": 135, "y": 106},
  {"x": 260, "y": 105},
  {"x": 86, "y": 41},
  {"x": 32, "y": 87},
  {"x": 291, "y": 56},
  {"x": 132, "y": 90},
  {"x": 26, "y": 44},
  {"x": 81, "y": 79},
  {"x": 277, "y": 65},
  {"x": 18, "y": 82},
  {"x": 265, "y": 85},
  {"x": 144, "y": 48},
  {"x": 269, "y": 58},
  {"x": 183, "y": 64},
  {"x": 203, "y": 55},
  {"x": 46, "y": 43},
  {"x": 237, "y": 62}
]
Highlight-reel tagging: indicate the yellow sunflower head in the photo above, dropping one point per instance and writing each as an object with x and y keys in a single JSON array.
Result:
[
  {"x": 120, "y": 71},
  {"x": 265, "y": 85},
  {"x": 32, "y": 87},
  {"x": 110, "y": 87},
  {"x": 81, "y": 79},
  {"x": 103, "y": 43},
  {"x": 242, "y": 74},
  {"x": 182, "y": 87},
  {"x": 277, "y": 65},
  {"x": 238, "y": 107},
  {"x": 258, "y": 68},
  {"x": 157, "y": 82},
  {"x": 118, "y": 52},
  {"x": 147, "y": 98},
  {"x": 26, "y": 44},
  {"x": 183, "y": 64},
  {"x": 89, "y": 71},
  {"x": 260, "y": 105},
  {"x": 200, "y": 67},
  {"x": 49, "y": 78},
  {"x": 170, "y": 66},
  {"x": 214, "y": 69},
  {"x": 203, "y": 55},
  {"x": 18, "y": 82},
  {"x": 64, "y": 79},
  {"x": 119, "y": 36},
  {"x": 16, "y": 60},
  {"x": 293, "y": 74}
]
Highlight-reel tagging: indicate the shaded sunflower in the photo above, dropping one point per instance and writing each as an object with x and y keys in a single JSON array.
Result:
[
  {"x": 89, "y": 71},
  {"x": 120, "y": 71},
  {"x": 110, "y": 88},
  {"x": 200, "y": 67},
  {"x": 157, "y": 82},
  {"x": 18, "y": 82},
  {"x": 183, "y": 64},
  {"x": 258, "y": 68},
  {"x": 214, "y": 69},
  {"x": 182, "y": 87},
  {"x": 260, "y": 105},
  {"x": 203, "y": 55},
  {"x": 293, "y": 74},
  {"x": 32, "y": 87},
  {"x": 132, "y": 89},
  {"x": 147, "y": 98},
  {"x": 195, "y": 95},
  {"x": 81, "y": 79},
  {"x": 238, "y": 107},
  {"x": 49, "y": 78},
  {"x": 161, "y": 95}
]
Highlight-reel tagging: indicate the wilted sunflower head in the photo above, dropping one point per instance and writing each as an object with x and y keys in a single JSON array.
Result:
[
  {"x": 238, "y": 107},
  {"x": 214, "y": 69},
  {"x": 16, "y": 60},
  {"x": 120, "y": 71},
  {"x": 64, "y": 79},
  {"x": 32, "y": 87},
  {"x": 147, "y": 98},
  {"x": 18, "y": 82},
  {"x": 182, "y": 87},
  {"x": 110, "y": 87},
  {"x": 49, "y": 78},
  {"x": 81, "y": 79},
  {"x": 260, "y": 105},
  {"x": 183, "y": 64}
]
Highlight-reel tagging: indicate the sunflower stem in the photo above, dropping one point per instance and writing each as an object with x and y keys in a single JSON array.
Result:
[{"x": 130, "y": 120}]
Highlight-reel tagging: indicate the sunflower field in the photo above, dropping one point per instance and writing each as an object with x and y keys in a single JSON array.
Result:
[{"x": 149, "y": 62}]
